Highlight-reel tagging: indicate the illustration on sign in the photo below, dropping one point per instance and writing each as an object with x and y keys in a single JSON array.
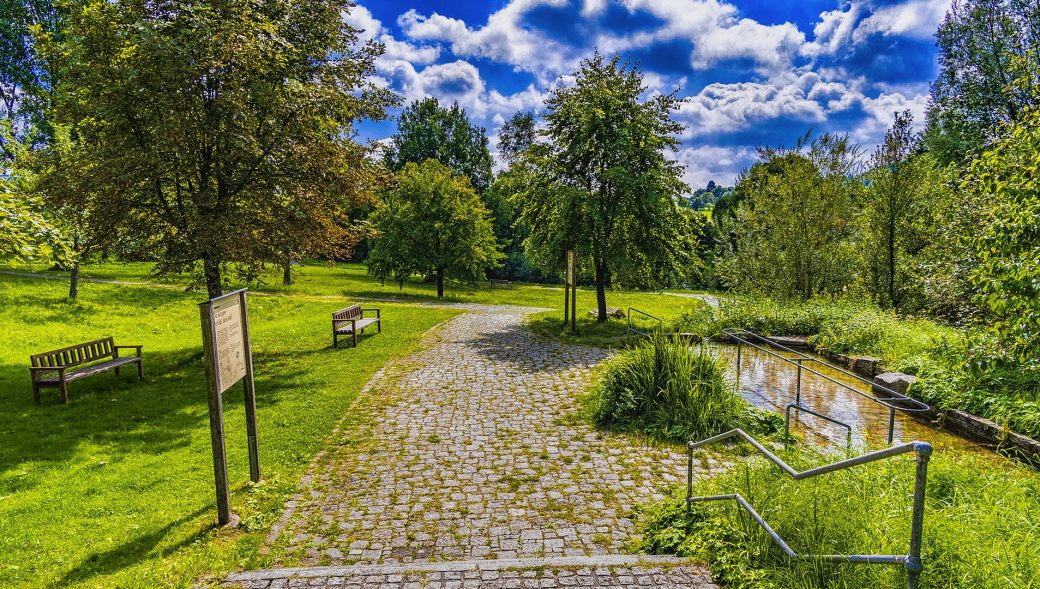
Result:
[{"x": 230, "y": 344}]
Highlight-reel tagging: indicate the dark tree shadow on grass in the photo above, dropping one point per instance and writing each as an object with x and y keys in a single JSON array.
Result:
[
  {"x": 155, "y": 416},
  {"x": 134, "y": 551}
]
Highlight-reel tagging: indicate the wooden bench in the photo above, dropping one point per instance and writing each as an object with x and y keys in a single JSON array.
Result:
[
  {"x": 498, "y": 283},
  {"x": 59, "y": 367},
  {"x": 352, "y": 320}
]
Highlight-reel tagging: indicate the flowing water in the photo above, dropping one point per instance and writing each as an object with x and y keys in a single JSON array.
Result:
[{"x": 769, "y": 383}]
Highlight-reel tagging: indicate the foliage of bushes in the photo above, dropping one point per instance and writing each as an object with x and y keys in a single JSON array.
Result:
[
  {"x": 980, "y": 524},
  {"x": 669, "y": 390}
]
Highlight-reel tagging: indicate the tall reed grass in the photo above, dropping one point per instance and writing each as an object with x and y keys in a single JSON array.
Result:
[{"x": 670, "y": 390}]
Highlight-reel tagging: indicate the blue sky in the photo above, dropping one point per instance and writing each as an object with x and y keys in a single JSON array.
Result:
[{"x": 752, "y": 72}]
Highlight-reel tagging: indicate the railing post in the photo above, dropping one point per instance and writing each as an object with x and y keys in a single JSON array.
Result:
[
  {"x": 738, "y": 362},
  {"x": 798, "y": 384},
  {"x": 689, "y": 475},
  {"x": 891, "y": 425},
  {"x": 913, "y": 561}
]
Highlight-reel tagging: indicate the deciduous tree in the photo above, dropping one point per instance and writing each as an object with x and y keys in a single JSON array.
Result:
[
  {"x": 432, "y": 223},
  {"x": 208, "y": 125},
  {"x": 602, "y": 183},
  {"x": 426, "y": 130},
  {"x": 987, "y": 49},
  {"x": 895, "y": 200},
  {"x": 1008, "y": 243},
  {"x": 794, "y": 226}
]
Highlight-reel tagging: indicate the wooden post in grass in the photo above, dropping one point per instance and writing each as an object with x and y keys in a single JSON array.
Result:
[
  {"x": 570, "y": 291},
  {"x": 228, "y": 359},
  {"x": 566, "y": 295}
]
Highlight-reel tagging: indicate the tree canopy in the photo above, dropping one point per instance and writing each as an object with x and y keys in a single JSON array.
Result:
[
  {"x": 894, "y": 204},
  {"x": 794, "y": 224},
  {"x": 208, "y": 130},
  {"x": 1008, "y": 245},
  {"x": 432, "y": 223},
  {"x": 426, "y": 130},
  {"x": 601, "y": 183},
  {"x": 516, "y": 135},
  {"x": 987, "y": 73}
]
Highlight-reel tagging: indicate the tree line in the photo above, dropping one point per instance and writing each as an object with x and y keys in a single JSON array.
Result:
[{"x": 218, "y": 138}]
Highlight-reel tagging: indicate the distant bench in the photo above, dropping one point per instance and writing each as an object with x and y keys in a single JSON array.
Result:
[
  {"x": 352, "y": 320},
  {"x": 498, "y": 283},
  {"x": 59, "y": 367}
]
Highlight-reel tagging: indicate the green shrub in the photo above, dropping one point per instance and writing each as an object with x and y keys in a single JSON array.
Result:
[
  {"x": 767, "y": 316},
  {"x": 981, "y": 519},
  {"x": 670, "y": 390}
]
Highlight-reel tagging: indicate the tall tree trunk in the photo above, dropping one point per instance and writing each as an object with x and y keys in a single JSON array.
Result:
[
  {"x": 440, "y": 283},
  {"x": 74, "y": 274},
  {"x": 287, "y": 269},
  {"x": 601, "y": 289},
  {"x": 211, "y": 270},
  {"x": 892, "y": 263},
  {"x": 74, "y": 279}
]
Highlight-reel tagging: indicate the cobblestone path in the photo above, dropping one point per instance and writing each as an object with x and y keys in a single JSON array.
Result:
[{"x": 473, "y": 450}]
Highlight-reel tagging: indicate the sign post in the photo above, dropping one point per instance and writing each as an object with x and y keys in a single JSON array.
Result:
[{"x": 228, "y": 359}]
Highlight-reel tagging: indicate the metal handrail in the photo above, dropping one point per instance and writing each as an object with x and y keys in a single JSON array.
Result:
[
  {"x": 804, "y": 409},
  {"x": 660, "y": 322},
  {"x": 912, "y": 405},
  {"x": 911, "y": 561}
]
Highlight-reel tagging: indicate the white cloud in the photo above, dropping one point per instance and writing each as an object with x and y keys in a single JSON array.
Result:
[
  {"x": 460, "y": 81},
  {"x": 770, "y": 47},
  {"x": 710, "y": 162},
  {"x": 371, "y": 29},
  {"x": 502, "y": 38},
  {"x": 833, "y": 31},
  {"x": 711, "y": 26},
  {"x": 881, "y": 110},
  {"x": 916, "y": 18},
  {"x": 726, "y": 108}
]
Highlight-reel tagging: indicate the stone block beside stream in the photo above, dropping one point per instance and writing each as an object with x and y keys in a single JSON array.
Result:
[{"x": 894, "y": 381}]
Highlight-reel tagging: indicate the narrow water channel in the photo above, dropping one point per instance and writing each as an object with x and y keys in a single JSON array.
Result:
[{"x": 769, "y": 383}]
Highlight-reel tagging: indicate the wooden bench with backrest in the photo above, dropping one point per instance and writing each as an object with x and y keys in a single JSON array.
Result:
[
  {"x": 499, "y": 283},
  {"x": 59, "y": 367},
  {"x": 352, "y": 320}
]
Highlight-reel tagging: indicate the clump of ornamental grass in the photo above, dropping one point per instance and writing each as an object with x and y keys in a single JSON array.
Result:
[{"x": 671, "y": 390}]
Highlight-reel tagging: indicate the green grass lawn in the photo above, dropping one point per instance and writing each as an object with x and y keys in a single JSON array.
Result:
[
  {"x": 315, "y": 279},
  {"x": 115, "y": 489}
]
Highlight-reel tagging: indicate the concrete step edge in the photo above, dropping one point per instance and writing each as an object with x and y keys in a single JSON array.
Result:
[{"x": 616, "y": 560}]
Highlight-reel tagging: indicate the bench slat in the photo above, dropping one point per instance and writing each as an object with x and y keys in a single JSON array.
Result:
[{"x": 361, "y": 324}]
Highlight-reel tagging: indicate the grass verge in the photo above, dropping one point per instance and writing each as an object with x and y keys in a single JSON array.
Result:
[
  {"x": 115, "y": 489},
  {"x": 981, "y": 522}
]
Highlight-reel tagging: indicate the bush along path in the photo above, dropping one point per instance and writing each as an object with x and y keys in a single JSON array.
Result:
[{"x": 470, "y": 466}]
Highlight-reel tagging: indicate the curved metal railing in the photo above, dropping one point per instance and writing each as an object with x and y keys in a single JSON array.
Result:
[
  {"x": 660, "y": 323},
  {"x": 894, "y": 400},
  {"x": 911, "y": 561}
]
